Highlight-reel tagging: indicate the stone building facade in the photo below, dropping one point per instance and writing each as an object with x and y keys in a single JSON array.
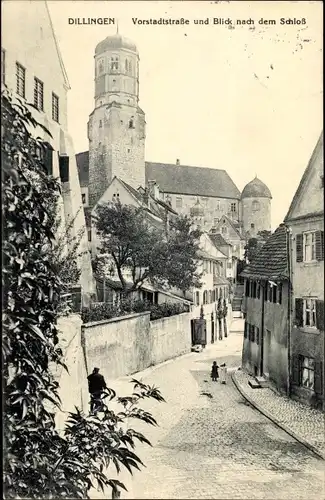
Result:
[
  {"x": 116, "y": 132},
  {"x": 32, "y": 68},
  {"x": 116, "y": 127}
]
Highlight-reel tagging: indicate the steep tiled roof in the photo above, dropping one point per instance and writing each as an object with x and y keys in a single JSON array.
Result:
[
  {"x": 271, "y": 262},
  {"x": 219, "y": 280},
  {"x": 182, "y": 179},
  {"x": 218, "y": 240},
  {"x": 177, "y": 178}
]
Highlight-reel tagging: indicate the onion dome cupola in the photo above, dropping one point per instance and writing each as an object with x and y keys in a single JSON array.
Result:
[
  {"x": 197, "y": 210},
  {"x": 115, "y": 42},
  {"x": 256, "y": 189}
]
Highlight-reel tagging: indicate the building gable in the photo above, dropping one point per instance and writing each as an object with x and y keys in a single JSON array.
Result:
[
  {"x": 309, "y": 197},
  {"x": 227, "y": 229},
  {"x": 29, "y": 33}
]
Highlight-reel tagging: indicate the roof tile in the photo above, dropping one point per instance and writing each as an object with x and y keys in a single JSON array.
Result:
[{"x": 271, "y": 262}]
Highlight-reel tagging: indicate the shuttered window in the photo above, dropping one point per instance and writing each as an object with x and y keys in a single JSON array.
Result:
[
  {"x": 257, "y": 335},
  {"x": 309, "y": 318},
  {"x": 319, "y": 245},
  {"x": 48, "y": 158},
  {"x": 299, "y": 310},
  {"x": 320, "y": 315},
  {"x": 318, "y": 377},
  {"x": 3, "y": 66},
  {"x": 64, "y": 168}
]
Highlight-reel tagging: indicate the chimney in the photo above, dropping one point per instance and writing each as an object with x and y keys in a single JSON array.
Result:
[{"x": 177, "y": 161}]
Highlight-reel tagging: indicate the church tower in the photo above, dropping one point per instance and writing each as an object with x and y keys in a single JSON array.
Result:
[{"x": 116, "y": 127}]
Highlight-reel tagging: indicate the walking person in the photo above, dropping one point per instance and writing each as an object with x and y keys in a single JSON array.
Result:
[
  {"x": 223, "y": 373},
  {"x": 96, "y": 386},
  {"x": 214, "y": 372}
]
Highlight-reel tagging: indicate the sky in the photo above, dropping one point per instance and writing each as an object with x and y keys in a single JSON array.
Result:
[{"x": 247, "y": 100}]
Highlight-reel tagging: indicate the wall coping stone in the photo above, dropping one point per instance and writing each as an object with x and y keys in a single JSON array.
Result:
[
  {"x": 114, "y": 320},
  {"x": 168, "y": 317}
]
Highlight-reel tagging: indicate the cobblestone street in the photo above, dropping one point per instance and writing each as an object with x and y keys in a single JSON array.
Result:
[{"x": 211, "y": 443}]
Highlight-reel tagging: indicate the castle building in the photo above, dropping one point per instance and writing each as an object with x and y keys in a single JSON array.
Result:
[{"x": 116, "y": 133}]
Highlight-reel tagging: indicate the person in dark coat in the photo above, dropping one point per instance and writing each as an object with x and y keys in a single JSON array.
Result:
[
  {"x": 96, "y": 385},
  {"x": 214, "y": 372}
]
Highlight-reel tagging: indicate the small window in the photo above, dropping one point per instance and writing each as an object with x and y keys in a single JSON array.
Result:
[
  {"x": 216, "y": 221},
  {"x": 205, "y": 201},
  {"x": 83, "y": 197},
  {"x": 274, "y": 294},
  {"x": 310, "y": 313},
  {"x": 197, "y": 298},
  {"x": 3, "y": 66},
  {"x": 100, "y": 123},
  {"x": 55, "y": 108},
  {"x": 20, "y": 79},
  {"x": 224, "y": 230},
  {"x": 229, "y": 265},
  {"x": 130, "y": 66},
  {"x": 179, "y": 202},
  {"x": 307, "y": 367},
  {"x": 64, "y": 168},
  {"x": 129, "y": 150},
  {"x": 255, "y": 206},
  {"x": 257, "y": 335},
  {"x": 38, "y": 94},
  {"x": 126, "y": 65},
  {"x": 280, "y": 293},
  {"x": 89, "y": 234},
  {"x": 252, "y": 226},
  {"x": 131, "y": 123},
  {"x": 100, "y": 67},
  {"x": 233, "y": 207}
]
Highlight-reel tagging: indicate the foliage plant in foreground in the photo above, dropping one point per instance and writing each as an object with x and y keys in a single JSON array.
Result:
[{"x": 38, "y": 461}]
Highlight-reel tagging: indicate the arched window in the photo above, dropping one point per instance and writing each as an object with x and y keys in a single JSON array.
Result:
[
  {"x": 100, "y": 67},
  {"x": 130, "y": 66},
  {"x": 255, "y": 206},
  {"x": 114, "y": 63}
]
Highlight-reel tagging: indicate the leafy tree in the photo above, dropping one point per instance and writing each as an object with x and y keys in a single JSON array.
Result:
[
  {"x": 39, "y": 462},
  {"x": 144, "y": 252},
  {"x": 182, "y": 255},
  {"x": 251, "y": 249}
]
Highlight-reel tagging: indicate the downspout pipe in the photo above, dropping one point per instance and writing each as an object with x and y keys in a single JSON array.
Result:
[
  {"x": 290, "y": 304},
  {"x": 263, "y": 287}
]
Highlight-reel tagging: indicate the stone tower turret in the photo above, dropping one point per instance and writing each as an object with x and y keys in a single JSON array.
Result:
[
  {"x": 116, "y": 127},
  {"x": 256, "y": 207}
]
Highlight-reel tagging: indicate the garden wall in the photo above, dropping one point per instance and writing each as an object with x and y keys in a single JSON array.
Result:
[
  {"x": 128, "y": 344},
  {"x": 73, "y": 385}
]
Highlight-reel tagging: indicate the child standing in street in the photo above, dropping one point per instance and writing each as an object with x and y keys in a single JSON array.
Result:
[
  {"x": 223, "y": 373},
  {"x": 214, "y": 372}
]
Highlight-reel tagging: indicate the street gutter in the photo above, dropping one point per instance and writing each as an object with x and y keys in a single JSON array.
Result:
[{"x": 286, "y": 429}]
